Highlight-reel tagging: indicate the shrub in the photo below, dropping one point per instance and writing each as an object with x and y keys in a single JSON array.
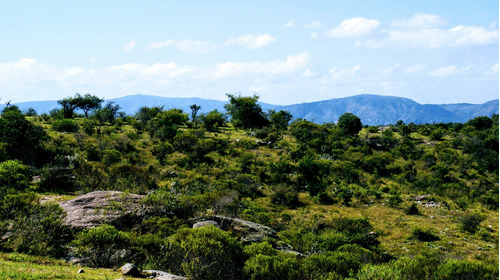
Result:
[
  {"x": 13, "y": 175},
  {"x": 65, "y": 125},
  {"x": 285, "y": 196},
  {"x": 424, "y": 234},
  {"x": 470, "y": 222},
  {"x": 454, "y": 269},
  {"x": 282, "y": 266},
  {"x": 340, "y": 263},
  {"x": 103, "y": 246},
  {"x": 412, "y": 210},
  {"x": 41, "y": 232},
  {"x": 204, "y": 253}
]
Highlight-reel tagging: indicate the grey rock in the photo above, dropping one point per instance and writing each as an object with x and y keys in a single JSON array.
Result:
[
  {"x": 130, "y": 270},
  {"x": 245, "y": 231},
  {"x": 206, "y": 223},
  {"x": 98, "y": 207}
]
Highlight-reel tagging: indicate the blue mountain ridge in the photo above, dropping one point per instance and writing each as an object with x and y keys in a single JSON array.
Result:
[{"x": 371, "y": 109}]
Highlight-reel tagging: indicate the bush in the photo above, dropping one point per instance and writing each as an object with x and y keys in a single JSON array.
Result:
[
  {"x": 470, "y": 222},
  {"x": 204, "y": 253},
  {"x": 65, "y": 125},
  {"x": 454, "y": 269},
  {"x": 282, "y": 266},
  {"x": 41, "y": 232},
  {"x": 285, "y": 196},
  {"x": 423, "y": 234},
  {"x": 103, "y": 246},
  {"x": 13, "y": 175}
]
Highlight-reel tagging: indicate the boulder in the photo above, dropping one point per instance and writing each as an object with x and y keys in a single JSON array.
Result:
[
  {"x": 244, "y": 231},
  {"x": 205, "y": 224},
  {"x": 92, "y": 209},
  {"x": 130, "y": 270}
]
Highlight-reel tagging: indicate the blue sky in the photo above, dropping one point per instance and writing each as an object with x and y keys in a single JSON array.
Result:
[{"x": 284, "y": 51}]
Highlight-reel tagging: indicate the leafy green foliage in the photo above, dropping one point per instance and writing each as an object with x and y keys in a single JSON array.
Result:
[
  {"x": 350, "y": 124},
  {"x": 245, "y": 112}
]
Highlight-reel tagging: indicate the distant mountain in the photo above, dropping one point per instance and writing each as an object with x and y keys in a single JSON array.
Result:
[{"x": 371, "y": 109}]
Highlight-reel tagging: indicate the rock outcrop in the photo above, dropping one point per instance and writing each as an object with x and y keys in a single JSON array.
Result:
[
  {"x": 99, "y": 207},
  {"x": 244, "y": 231}
]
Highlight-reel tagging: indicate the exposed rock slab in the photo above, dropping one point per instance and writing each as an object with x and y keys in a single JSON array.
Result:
[
  {"x": 92, "y": 209},
  {"x": 244, "y": 231}
]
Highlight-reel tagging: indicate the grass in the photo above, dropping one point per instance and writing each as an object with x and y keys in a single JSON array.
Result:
[{"x": 21, "y": 266}]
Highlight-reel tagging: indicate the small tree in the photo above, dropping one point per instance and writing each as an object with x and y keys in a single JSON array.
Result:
[
  {"x": 350, "y": 124},
  {"x": 88, "y": 103},
  {"x": 69, "y": 105},
  {"x": 213, "y": 120},
  {"x": 194, "y": 112},
  {"x": 245, "y": 112},
  {"x": 280, "y": 120}
]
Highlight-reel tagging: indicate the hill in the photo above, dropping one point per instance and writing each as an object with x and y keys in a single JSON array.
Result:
[{"x": 372, "y": 109}]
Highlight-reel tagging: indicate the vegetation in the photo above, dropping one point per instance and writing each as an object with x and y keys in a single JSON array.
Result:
[{"x": 405, "y": 201}]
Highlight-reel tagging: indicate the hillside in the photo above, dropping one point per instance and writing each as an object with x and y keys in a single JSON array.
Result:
[
  {"x": 210, "y": 200},
  {"x": 372, "y": 109}
]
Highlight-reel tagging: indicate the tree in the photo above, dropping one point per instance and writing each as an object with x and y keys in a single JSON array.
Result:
[
  {"x": 194, "y": 111},
  {"x": 279, "y": 120},
  {"x": 88, "y": 103},
  {"x": 349, "y": 124},
  {"x": 213, "y": 120},
  {"x": 245, "y": 112},
  {"x": 164, "y": 126},
  {"x": 107, "y": 113},
  {"x": 69, "y": 105}
]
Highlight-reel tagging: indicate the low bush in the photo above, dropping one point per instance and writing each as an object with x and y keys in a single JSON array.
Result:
[{"x": 65, "y": 125}]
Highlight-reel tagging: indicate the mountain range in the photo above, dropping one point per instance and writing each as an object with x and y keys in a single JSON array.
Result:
[{"x": 371, "y": 109}]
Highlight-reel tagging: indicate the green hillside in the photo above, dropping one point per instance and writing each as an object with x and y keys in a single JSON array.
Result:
[{"x": 343, "y": 200}]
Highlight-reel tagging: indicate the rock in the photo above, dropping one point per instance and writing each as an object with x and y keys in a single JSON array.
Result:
[
  {"x": 92, "y": 209},
  {"x": 420, "y": 197},
  {"x": 81, "y": 271},
  {"x": 161, "y": 275},
  {"x": 130, "y": 270},
  {"x": 244, "y": 231},
  {"x": 206, "y": 223}
]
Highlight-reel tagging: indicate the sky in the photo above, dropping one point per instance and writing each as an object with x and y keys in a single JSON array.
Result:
[{"x": 286, "y": 52}]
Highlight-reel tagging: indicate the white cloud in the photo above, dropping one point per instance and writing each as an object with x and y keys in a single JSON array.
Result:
[
  {"x": 93, "y": 60},
  {"x": 292, "y": 64},
  {"x": 445, "y": 71},
  {"x": 353, "y": 27},
  {"x": 251, "y": 41},
  {"x": 423, "y": 31},
  {"x": 288, "y": 24},
  {"x": 415, "y": 68},
  {"x": 420, "y": 21},
  {"x": 129, "y": 46},
  {"x": 494, "y": 68},
  {"x": 344, "y": 73},
  {"x": 314, "y": 24},
  {"x": 314, "y": 35},
  {"x": 159, "y": 45},
  {"x": 195, "y": 47}
]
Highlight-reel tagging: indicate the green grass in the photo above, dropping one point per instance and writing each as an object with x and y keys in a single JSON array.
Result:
[{"x": 21, "y": 266}]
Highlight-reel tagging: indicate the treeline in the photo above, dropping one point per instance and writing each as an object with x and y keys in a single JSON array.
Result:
[{"x": 303, "y": 179}]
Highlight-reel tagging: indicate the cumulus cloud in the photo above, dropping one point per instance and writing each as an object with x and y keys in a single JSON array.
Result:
[
  {"x": 292, "y": 64},
  {"x": 344, "y": 73},
  {"x": 353, "y": 27},
  {"x": 129, "y": 46},
  {"x": 251, "y": 41},
  {"x": 159, "y": 45},
  {"x": 425, "y": 31},
  {"x": 415, "y": 68}
]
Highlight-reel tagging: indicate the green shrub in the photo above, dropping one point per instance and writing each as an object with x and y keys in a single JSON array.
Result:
[
  {"x": 65, "y": 125},
  {"x": 103, "y": 246},
  {"x": 111, "y": 157},
  {"x": 204, "y": 253},
  {"x": 281, "y": 266},
  {"x": 412, "y": 210},
  {"x": 40, "y": 232},
  {"x": 471, "y": 222},
  {"x": 13, "y": 175},
  {"x": 470, "y": 270},
  {"x": 380, "y": 272},
  {"x": 285, "y": 196},
  {"x": 340, "y": 263},
  {"x": 424, "y": 234}
]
